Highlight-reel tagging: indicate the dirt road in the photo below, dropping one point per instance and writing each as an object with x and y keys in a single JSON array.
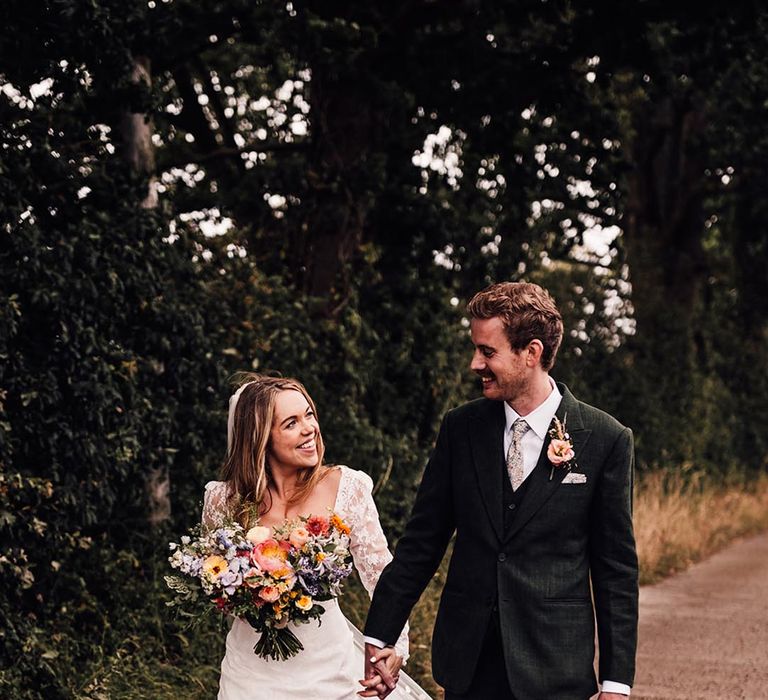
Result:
[{"x": 704, "y": 633}]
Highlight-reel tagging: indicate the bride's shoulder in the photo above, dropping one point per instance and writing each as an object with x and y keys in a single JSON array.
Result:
[
  {"x": 215, "y": 488},
  {"x": 354, "y": 478}
]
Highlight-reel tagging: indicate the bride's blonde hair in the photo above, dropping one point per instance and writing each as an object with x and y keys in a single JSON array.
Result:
[{"x": 246, "y": 467}]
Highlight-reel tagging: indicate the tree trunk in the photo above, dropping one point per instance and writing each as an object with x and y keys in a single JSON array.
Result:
[
  {"x": 664, "y": 218},
  {"x": 662, "y": 235},
  {"x": 136, "y": 131},
  {"x": 338, "y": 176}
]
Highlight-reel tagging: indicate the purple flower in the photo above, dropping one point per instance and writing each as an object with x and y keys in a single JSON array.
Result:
[
  {"x": 310, "y": 582},
  {"x": 224, "y": 541},
  {"x": 230, "y": 580}
]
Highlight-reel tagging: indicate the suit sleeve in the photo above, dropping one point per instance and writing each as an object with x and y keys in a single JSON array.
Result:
[
  {"x": 613, "y": 562},
  {"x": 419, "y": 551}
]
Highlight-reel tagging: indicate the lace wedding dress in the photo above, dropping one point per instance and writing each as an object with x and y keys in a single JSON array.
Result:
[{"x": 332, "y": 660}]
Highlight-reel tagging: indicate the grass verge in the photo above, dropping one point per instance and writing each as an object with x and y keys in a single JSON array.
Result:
[{"x": 680, "y": 518}]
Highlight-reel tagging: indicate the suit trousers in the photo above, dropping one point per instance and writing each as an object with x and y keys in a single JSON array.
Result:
[{"x": 490, "y": 679}]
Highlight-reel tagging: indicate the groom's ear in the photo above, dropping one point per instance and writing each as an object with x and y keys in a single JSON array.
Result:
[{"x": 533, "y": 352}]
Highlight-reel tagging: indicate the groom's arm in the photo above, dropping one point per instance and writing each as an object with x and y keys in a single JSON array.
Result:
[
  {"x": 421, "y": 548},
  {"x": 613, "y": 562}
]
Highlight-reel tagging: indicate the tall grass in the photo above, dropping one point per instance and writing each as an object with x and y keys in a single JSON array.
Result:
[{"x": 682, "y": 517}]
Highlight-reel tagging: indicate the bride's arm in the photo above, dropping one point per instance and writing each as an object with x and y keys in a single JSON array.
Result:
[
  {"x": 214, "y": 504},
  {"x": 368, "y": 544}
]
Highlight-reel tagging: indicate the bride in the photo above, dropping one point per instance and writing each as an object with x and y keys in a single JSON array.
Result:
[{"x": 274, "y": 468}]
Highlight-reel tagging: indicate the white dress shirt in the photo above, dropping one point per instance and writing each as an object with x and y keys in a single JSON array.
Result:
[{"x": 539, "y": 421}]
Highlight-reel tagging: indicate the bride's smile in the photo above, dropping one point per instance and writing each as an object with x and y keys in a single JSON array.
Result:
[{"x": 293, "y": 438}]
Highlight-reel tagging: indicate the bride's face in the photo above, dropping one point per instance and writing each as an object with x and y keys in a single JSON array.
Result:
[{"x": 294, "y": 433}]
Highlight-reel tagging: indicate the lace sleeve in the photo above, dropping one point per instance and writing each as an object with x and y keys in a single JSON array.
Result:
[
  {"x": 367, "y": 541},
  {"x": 214, "y": 504}
]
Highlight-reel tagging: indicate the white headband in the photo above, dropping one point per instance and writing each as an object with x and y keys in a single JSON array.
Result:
[{"x": 231, "y": 416}]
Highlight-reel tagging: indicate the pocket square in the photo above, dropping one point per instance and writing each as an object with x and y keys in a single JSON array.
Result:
[{"x": 574, "y": 478}]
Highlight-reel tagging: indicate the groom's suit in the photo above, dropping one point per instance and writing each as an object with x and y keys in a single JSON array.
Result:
[{"x": 530, "y": 565}]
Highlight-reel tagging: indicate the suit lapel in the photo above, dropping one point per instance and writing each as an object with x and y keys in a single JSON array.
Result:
[
  {"x": 487, "y": 445},
  {"x": 541, "y": 486}
]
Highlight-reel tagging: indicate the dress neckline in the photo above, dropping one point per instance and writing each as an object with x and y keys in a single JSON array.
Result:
[
  {"x": 336, "y": 501},
  {"x": 343, "y": 476}
]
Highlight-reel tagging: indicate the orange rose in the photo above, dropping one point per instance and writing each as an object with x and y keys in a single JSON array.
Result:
[
  {"x": 559, "y": 452},
  {"x": 269, "y": 594},
  {"x": 299, "y": 537}
]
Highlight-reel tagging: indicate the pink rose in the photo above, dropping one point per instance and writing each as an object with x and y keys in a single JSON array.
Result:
[
  {"x": 269, "y": 593},
  {"x": 299, "y": 537},
  {"x": 272, "y": 556},
  {"x": 559, "y": 452}
]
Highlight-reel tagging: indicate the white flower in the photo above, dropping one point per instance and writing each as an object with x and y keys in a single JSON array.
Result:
[{"x": 258, "y": 534}]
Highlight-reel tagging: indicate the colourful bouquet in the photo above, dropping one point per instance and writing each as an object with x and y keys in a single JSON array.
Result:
[{"x": 269, "y": 577}]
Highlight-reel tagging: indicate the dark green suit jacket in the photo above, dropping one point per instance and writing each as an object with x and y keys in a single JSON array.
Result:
[{"x": 537, "y": 571}]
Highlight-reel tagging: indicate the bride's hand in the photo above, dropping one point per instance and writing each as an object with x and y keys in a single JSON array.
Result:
[{"x": 382, "y": 670}]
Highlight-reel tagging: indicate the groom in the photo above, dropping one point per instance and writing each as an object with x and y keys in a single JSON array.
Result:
[{"x": 537, "y": 521}]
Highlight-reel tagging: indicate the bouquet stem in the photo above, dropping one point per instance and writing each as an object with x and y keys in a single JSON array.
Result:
[{"x": 277, "y": 644}]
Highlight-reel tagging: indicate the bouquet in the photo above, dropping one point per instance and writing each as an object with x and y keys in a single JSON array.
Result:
[{"x": 268, "y": 576}]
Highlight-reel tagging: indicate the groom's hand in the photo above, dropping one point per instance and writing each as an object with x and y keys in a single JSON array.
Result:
[
  {"x": 612, "y": 696},
  {"x": 379, "y": 681}
]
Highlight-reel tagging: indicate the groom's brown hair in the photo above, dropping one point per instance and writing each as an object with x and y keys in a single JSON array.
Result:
[{"x": 528, "y": 313}]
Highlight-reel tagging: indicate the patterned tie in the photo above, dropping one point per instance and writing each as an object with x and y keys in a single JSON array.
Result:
[{"x": 515, "y": 454}]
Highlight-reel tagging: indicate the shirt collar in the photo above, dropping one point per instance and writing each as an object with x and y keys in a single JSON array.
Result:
[{"x": 540, "y": 418}]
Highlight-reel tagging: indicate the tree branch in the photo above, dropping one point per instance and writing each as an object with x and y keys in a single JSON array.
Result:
[{"x": 227, "y": 152}]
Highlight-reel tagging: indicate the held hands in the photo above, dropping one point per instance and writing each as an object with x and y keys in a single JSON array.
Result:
[
  {"x": 382, "y": 671},
  {"x": 612, "y": 696}
]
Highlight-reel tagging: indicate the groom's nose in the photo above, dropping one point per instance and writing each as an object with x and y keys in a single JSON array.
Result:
[{"x": 478, "y": 362}]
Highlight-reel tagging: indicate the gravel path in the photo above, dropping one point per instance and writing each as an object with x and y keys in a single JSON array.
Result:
[{"x": 704, "y": 633}]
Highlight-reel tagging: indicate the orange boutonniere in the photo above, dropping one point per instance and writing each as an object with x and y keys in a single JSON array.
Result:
[{"x": 560, "y": 451}]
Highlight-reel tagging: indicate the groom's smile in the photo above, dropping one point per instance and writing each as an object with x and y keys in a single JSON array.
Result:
[{"x": 502, "y": 370}]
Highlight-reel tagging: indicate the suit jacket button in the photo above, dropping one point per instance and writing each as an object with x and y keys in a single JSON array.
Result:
[
  {"x": 512, "y": 506},
  {"x": 502, "y": 557}
]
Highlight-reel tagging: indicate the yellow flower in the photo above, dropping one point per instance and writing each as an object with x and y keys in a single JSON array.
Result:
[
  {"x": 214, "y": 565},
  {"x": 304, "y": 603},
  {"x": 319, "y": 556},
  {"x": 339, "y": 524}
]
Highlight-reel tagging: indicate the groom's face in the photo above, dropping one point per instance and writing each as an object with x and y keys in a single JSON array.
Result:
[{"x": 502, "y": 370}]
